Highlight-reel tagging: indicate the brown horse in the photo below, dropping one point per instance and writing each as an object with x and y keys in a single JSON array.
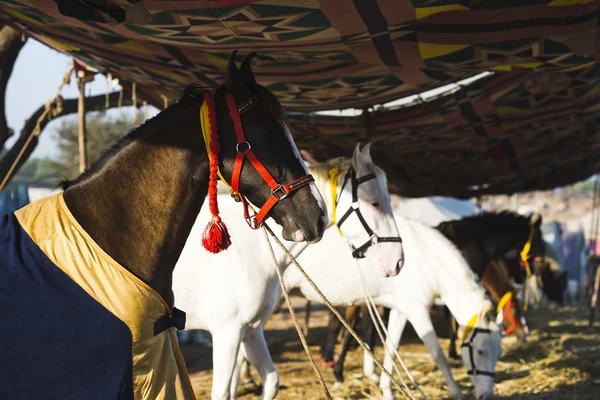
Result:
[{"x": 133, "y": 210}]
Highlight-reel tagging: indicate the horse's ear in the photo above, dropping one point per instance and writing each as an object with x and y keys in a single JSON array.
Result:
[
  {"x": 233, "y": 78},
  {"x": 246, "y": 68},
  {"x": 536, "y": 219},
  {"x": 366, "y": 154}
]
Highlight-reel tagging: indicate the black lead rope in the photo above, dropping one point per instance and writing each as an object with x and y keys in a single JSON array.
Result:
[
  {"x": 359, "y": 252},
  {"x": 469, "y": 345}
]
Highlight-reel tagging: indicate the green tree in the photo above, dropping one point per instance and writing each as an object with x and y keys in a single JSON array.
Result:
[{"x": 102, "y": 131}]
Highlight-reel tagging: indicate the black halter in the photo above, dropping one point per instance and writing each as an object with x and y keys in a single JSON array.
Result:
[
  {"x": 359, "y": 252},
  {"x": 469, "y": 345}
]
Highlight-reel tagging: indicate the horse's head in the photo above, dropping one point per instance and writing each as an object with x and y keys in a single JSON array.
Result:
[
  {"x": 361, "y": 208},
  {"x": 481, "y": 349},
  {"x": 537, "y": 251},
  {"x": 553, "y": 282},
  {"x": 273, "y": 171},
  {"x": 511, "y": 316}
]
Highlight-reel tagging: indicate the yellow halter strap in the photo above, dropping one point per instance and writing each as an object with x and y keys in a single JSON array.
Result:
[
  {"x": 334, "y": 174},
  {"x": 205, "y": 123},
  {"x": 505, "y": 299},
  {"x": 527, "y": 246},
  {"x": 471, "y": 324}
]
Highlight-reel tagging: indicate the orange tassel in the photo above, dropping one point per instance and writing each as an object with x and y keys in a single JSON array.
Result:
[{"x": 215, "y": 237}]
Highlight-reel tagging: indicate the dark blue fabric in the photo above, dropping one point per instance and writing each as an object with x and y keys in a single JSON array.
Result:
[
  {"x": 56, "y": 342},
  {"x": 7, "y": 203}
]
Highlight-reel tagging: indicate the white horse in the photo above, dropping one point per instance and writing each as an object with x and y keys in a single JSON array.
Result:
[
  {"x": 231, "y": 294},
  {"x": 434, "y": 267}
]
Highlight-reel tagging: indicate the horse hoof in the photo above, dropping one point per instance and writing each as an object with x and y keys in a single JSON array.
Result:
[
  {"x": 337, "y": 384},
  {"x": 374, "y": 378}
]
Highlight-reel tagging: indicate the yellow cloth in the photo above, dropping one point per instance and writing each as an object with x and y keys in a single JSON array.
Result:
[{"x": 159, "y": 370}]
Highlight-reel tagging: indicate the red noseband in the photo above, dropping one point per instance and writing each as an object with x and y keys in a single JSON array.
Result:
[{"x": 244, "y": 150}]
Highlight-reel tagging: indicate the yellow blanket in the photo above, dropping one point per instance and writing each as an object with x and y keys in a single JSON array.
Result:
[{"x": 159, "y": 370}]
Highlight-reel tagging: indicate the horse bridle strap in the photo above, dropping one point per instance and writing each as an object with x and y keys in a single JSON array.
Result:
[
  {"x": 469, "y": 345},
  {"x": 359, "y": 252},
  {"x": 504, "y": 306},
  {"x": 244, "y": 150},
  {"x": 470, "y": 332}
]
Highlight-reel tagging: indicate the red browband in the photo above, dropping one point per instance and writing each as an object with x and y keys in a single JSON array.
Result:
[{"x": 244, "y": 149}]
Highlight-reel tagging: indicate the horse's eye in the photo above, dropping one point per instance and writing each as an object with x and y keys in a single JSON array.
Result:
[
  {"x": 480, "y": 352},
  {"x": 375, "y": 204}
]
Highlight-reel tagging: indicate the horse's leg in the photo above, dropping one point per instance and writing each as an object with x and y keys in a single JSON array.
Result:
[
  {"x": 245, "y": 374},
  {"x": 240, "y": 363},
  {"x": 338, "y": 367},
  {"x": 396, "y": 325},
  {"x": 369, "y": 333},
  {"x": 452, "y": 353},
  {"x": 368, "y": 363},
  {"x": 226, "y": 345},
  {"x": 421, "y": 322},
  {"x": 258, "y": 354},
  {"x": 333, "y": 329}
]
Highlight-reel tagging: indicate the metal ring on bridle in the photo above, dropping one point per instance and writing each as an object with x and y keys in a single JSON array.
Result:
[{"x": 245, "y": 142}]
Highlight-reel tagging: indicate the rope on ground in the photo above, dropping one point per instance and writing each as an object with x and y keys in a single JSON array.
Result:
[
  {"x": 51, "y": 107},
  {"x": 334, "y": 311},
  {"x": 379, "y": 326},
  {"x": 293, "y": 314}
]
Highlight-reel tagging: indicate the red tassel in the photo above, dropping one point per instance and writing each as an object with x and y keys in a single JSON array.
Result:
[{"x": 215, "y": 237}]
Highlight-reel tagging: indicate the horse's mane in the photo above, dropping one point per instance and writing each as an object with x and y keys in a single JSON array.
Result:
[
  {"x": 320, "y": 170},
  {"x": 192, "y": 92},
  {"x": 502, "y": 222}
]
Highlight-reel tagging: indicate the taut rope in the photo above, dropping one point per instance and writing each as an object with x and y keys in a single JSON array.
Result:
[{"x": 330, "y": 306}]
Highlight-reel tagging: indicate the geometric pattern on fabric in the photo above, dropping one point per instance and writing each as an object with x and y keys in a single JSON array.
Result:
[
  {"x": 318, "y": 54},
  {"x": 532, "y": 125}
]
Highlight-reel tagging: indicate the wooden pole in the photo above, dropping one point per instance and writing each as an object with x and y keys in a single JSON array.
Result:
[{"x": 82, "y": 136}]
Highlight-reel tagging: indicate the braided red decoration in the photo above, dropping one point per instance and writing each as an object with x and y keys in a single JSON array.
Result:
[{"x": 215, "y": 237}]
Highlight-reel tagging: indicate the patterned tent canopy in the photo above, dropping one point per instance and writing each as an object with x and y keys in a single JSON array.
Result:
[{"x": 531, "y": 125}]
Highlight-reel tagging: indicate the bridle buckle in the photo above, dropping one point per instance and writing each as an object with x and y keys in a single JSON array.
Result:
[{"x": 280, "y": 192}]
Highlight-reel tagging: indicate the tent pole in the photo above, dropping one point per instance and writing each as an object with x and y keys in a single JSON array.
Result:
[{"x": 82, "y": 130}]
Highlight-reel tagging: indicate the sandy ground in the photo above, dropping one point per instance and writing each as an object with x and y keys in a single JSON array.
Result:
[{"x": 560, "y": 360}]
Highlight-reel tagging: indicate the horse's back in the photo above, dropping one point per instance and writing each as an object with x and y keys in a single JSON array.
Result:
[{"x": 56, "y": 341}]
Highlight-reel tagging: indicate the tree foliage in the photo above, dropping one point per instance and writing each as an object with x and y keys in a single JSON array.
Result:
[{"x": 102, "y": 131}]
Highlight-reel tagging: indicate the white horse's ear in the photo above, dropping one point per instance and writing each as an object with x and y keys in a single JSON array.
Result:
[
  {"x": 356, "y": 158},
  {"x": 366, "y": 154}
]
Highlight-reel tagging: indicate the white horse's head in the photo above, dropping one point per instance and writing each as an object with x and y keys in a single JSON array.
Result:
[
  {"x": 481, "y": 349},
  {"x": 360, "y": 199}
]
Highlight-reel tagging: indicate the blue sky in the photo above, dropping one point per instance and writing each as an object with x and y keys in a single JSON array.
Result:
[{"x": 37, "y": 74}]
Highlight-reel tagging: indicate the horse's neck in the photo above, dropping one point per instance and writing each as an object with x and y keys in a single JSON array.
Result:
[
  {"x": 141, "y": 205},
  {"x": 496, "y": 280},
  {"x": 479, "y": 255}
]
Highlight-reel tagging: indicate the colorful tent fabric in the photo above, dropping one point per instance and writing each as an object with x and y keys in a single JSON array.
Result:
[{"x": 531, "y": 125}]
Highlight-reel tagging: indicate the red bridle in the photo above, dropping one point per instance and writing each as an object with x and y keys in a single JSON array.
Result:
[
  {"x": 244, "y": 150},
  {"x": 507, "y": 313}
]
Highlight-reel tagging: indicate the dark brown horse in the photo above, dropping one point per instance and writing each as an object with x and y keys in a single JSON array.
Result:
[
  {"x": 482, "y": 239},
  {"x": 135, "y": 207},
  {"x": 140, "y": 200}
]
